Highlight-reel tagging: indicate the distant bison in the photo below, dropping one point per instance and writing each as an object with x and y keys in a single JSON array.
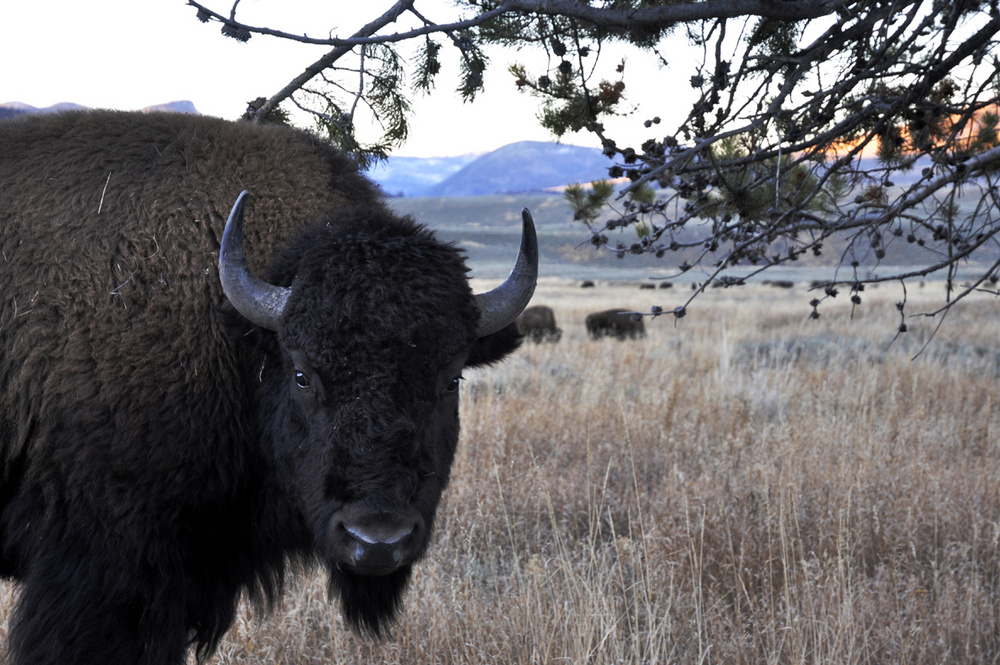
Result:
[
  {"x": 177, "y": 432},
  {"x": 618, "y": 323},
  {"x": 538, "y": 324}
]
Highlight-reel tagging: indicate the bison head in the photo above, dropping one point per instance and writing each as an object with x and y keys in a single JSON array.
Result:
[{"x": 365, "y": 324}]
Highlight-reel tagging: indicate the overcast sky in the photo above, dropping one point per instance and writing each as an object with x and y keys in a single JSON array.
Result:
[{"x": 128, "y": 54}]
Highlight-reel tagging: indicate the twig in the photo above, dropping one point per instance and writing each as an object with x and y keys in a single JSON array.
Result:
[{"x": 103, "y": 192}]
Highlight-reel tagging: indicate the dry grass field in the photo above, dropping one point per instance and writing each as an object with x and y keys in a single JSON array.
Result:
[{"x": 746, "y": 486}]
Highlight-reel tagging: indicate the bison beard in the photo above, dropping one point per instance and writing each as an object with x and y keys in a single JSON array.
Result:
[
  {"x": 177, "y": 434},
  {"x": 370, "y": 603}
]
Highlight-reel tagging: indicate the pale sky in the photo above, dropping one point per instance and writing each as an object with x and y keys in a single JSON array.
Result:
[{"x": 128, "y": 54}]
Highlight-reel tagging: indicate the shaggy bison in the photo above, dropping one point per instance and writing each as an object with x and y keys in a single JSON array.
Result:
[
  {"x": 191, "y": 409},
  {"x": 538, "y": 324},
  {"x": 618, "y": 323}
]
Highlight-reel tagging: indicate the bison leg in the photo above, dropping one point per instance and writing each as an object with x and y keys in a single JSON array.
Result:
[{"x": 74, "y": 611}]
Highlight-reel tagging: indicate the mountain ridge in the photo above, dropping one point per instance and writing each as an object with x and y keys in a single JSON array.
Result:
[
  {"x": 14, "y": 109},
  {"x": 524, "y": 166}
]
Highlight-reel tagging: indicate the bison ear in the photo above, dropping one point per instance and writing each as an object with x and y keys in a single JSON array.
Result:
[{"x": 495, "y": 347}]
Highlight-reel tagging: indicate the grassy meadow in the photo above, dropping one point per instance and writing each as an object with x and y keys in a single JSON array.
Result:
[
  {"x": 746, "y": 486},
  {"x": 749, "y": 486}
]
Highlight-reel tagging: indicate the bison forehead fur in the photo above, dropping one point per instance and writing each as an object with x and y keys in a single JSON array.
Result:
[
  {"x": 161, "y": 455},
  {"x": 363, "y": 282}
]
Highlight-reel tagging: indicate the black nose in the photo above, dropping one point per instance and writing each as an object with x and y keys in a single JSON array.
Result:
[{"x": 372, "y": 542}]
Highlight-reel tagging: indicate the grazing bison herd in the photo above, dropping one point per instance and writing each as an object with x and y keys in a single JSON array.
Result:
[
  {"x": 198, "y": 398},
  {"x": 538, "y": 324}
]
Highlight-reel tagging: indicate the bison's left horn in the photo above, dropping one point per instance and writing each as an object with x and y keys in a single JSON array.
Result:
[
  {"x": 258, "y": 301},
  {"x": 501, "y": 306}
]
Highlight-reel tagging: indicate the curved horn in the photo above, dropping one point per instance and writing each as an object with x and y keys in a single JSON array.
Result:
[
  {"x": 258, "y": 301},
  {"x": 501, "y": 306}
]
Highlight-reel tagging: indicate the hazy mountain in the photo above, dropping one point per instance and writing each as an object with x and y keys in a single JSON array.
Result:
[
  {"x": 181, "y": 106},
  {"x": 11, "y": 109},
  {"x": 525, "y": 166},
  {"x": 413, "y": 176}
]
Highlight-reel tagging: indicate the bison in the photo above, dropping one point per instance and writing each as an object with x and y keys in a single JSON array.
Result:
[
  {"x": 538, "y": 324},
  {"x": 618, "y": 323},
  {"x": 191, "y": 409}
]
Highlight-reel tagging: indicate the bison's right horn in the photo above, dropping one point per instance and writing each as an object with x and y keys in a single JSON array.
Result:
[
  {"x": 261, "y": 303},
  {"x": 501, "y": 306}
]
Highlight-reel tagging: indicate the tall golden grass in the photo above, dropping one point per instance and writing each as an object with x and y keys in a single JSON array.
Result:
[{"x": 746, "y": 486}]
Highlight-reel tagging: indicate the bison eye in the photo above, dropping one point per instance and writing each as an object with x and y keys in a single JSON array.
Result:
[
  {"x": 301, "y": 380},
  {"x": 453, "y": 384}
]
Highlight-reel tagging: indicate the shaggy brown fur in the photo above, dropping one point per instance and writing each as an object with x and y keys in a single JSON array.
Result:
[{"x": 158, "y": 458}]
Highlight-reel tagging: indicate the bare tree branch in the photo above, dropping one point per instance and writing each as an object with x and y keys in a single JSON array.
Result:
[
  {"x": 670, "y": 14},
  {"x": 363, "y": 36},
  {"x": 806, "y": 113}
]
